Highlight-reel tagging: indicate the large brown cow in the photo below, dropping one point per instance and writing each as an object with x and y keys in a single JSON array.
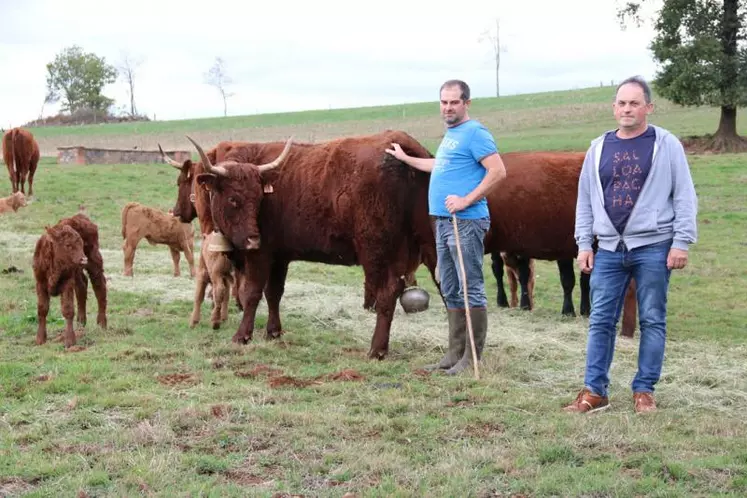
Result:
[
  {"x": 157, "y": 227},
  {"x": 344, "y": 202},
  {"x": 533, "y": 215},
  {"x": 21, "y": 155},
  {"x": 213, "y": 267},
  {"x": 58, "y": 263}
]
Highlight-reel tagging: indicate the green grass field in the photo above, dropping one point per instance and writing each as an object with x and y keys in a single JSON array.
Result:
[{"x": 151, "y": 407}]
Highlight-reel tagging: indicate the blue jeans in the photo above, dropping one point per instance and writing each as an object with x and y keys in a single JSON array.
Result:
[
  {"x": 471, "y": 237},
  {"x": 609, "y": 280}
]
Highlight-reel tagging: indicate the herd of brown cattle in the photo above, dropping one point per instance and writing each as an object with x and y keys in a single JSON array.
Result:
[{"x": 261, "y": 206}]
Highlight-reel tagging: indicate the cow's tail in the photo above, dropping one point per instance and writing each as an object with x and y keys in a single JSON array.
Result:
[{"x": 124, "y": 218}]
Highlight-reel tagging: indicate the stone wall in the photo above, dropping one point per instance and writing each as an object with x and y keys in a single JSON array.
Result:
[{"x": 86, "y": 155}]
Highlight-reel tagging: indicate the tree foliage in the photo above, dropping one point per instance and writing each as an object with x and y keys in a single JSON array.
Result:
[
  {"x": 78, "y": 78},
  {"x": 698, "y": 44}
]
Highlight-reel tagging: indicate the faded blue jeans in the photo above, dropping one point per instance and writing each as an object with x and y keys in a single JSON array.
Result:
[
  {"x": 609, "y": 280},
  {"x": 471, "y": 238}
]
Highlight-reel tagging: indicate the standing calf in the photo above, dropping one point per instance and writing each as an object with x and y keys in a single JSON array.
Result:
[
  {"x": 156, "y": 227},
  {"x": 12, "y": 202},
  {"x": 89, "y": 232},
  {"x": 21, "y": 154},
  {"x": 58, "y": 264}
]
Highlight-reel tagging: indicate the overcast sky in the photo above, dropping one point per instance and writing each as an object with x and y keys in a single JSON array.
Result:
[{"x": 288, "y": 55}]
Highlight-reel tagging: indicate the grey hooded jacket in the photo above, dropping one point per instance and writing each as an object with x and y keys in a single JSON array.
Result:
[{"x": 666, "y": 207}]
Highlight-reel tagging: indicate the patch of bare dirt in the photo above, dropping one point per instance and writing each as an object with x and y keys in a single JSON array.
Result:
[
  {"x": 288, "y": 381},
  {"x": 484, "y": 430},
  {"x": 259, "y": 370},
  {"x": 421, "y": 372},
  {"x": 15, "y": 486},
  {"x": 346, "y": 375},
  {"x": 143, "y": 312},
  {"x": 712, "y": 144},
  {"x": 178, "y": 379},
  {"x": 44, "y": 377},
  {"x": 357, "y": 352},
  {"x": 79, "y": 334},
  {"x": 220, "y": 411},
  {"x": 75, "y": 349}
]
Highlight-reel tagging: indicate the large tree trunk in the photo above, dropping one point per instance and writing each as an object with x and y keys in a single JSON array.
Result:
[{"x": 726, "y": 138}]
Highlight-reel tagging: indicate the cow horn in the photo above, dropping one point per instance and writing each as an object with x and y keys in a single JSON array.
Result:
[
  {"x": 168, "y": 160},
  {"x": 205, "y": 161},
  {"x": 266, "y": 167}
]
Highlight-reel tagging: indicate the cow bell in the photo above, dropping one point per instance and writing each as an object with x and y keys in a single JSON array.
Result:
[
  {"x": 217, "y": 242},
  {"x": 414, "y": 300}
]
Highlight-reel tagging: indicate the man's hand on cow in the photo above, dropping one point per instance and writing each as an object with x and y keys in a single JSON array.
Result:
[
  {"x": 677, "y": 259},
  {"x": 397, "y": 152},
  {"x": 585, "y": 261},
  {"x": 454, "y": 203}
]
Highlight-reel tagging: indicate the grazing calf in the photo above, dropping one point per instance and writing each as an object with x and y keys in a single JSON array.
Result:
[
  {"x": 12, "y": 203},
  {"x": 21, "y": 154},
  {"x": 89, "y": 232},
  {"x": 58, "y": 262},
  {"x": 157, "y": 227}
]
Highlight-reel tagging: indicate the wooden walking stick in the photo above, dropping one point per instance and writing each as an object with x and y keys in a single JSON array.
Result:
[{"x": 466, "y": 300}]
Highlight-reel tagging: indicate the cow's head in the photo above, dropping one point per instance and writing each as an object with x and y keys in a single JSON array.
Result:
[
  {"x": 238, "y": 189},
  {"x": 68, "y": 244},
  {"x": 184, "y": 209}
]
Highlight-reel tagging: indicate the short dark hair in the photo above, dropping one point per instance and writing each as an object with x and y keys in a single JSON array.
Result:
[
  {"x": 637, "y": 80},
  {"x": 464, "y": 87}
]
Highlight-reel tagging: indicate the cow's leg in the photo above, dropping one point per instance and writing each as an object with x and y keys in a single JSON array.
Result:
[
  {"x": 255, "y": 276},
  {"x": 221, "y": 290},
  {"x": 497, "y": 267},
  {"x": 81, "y": 296},
  {"x": 200, "y": 286},
  {"x": 273, "y": 294},
  {"x": 42, "y": 310},
  {"x": 129, "y": 247},
  {"x": 189, "y": 256},
  {"x": 22, "y": 180},
  {"x": 68, "y": 311},
  {"x": 584, "y": 281},
  {"x": 513, "y": 287},
  {"x": 525, "y": 275},
  {"x": 235, "y": 289},
  {"x": 568, "y": 281},
  {"x": 95, "y": 268},
  {"x": 386, "y": 300},
  {"x": 369, "y": 298},
  {"x": 175, "y": 258},
  {"x": 228, "y": 284},
  {"x": 32, "y": 170},
  {"x": 629, "y": 311}
]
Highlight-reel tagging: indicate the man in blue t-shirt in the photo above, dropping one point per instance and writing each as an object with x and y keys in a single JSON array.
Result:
[{"x": 467, "y": 166}]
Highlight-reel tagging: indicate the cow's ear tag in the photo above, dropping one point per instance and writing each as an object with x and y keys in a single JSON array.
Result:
[{"x": 268, "y": 189}]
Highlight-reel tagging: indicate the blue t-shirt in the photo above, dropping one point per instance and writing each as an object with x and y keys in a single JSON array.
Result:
[
  {"x": 623, "y": 169},
  {"x": 458, "y": 170}
]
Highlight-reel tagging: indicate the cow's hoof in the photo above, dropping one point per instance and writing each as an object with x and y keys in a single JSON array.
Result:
[
  {"x": 240, "y": 339},
  {"x": 377, "y": 354},
  {"x": 216, "y": 325}
]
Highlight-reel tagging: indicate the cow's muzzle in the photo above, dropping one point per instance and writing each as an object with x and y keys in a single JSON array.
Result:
[
  {"x": 84, "y": 260},
  {"x": 252, "y": 243}
]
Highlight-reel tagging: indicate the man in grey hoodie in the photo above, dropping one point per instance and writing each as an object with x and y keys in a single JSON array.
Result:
[{"x": 636, "y": 195}]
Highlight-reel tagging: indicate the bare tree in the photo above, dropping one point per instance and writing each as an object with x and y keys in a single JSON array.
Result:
[
  {"x": 218, "y": 78},
  {"x": 127, "y": 67},
  {"x": 495, "y": 42}
]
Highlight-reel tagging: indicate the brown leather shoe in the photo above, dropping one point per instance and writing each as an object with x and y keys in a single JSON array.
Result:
[
  {"x": 644, "y": 402},
  {"x": 587, "y": 402}
]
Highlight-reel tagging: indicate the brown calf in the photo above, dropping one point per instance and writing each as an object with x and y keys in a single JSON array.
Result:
[
  {"x": 58, "y": 264},
  {"x": 12, "y": 203},
  {"x": 21, "y": 154},
  {"x": 157, "y": 227},
  {"x": 89, "y": 232}
]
